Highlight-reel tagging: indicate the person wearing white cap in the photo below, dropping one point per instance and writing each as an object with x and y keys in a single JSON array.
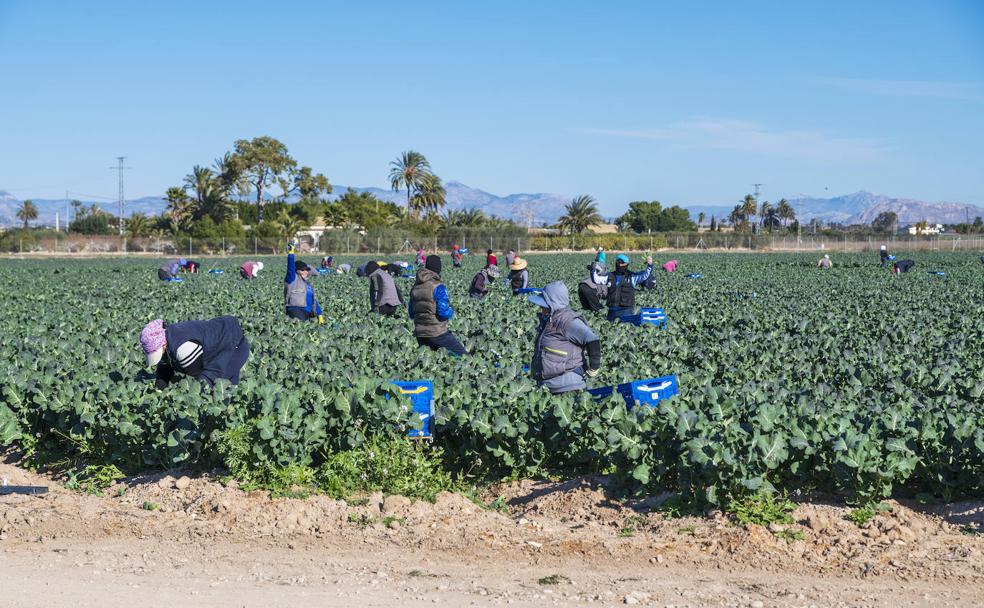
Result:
[
  {"x": 825, "y": 262},
  {"x": 883, "y": 254},
  {"x": 250, "y": 270},
  {"x": 205, "y": 350}
]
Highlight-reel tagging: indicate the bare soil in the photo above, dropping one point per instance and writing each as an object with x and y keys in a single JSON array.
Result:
[{"x": 169, "y": 540}]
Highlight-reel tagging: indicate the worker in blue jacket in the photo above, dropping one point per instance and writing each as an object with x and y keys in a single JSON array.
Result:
[
  {"x": 205, "y": 350},
  {"x": 299, "y": 299},
  {"x": 622, "y": 285},
  {"x": 431, "y": 309}
]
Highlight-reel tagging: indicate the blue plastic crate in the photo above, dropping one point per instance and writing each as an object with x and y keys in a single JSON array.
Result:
[
  {"x": 694, "y": 275},
  {"x": 532, "y": 290},
  {"x": 646, "y": 392},
  {"x": 421, "y": 393},
  {"x": 216, "y": 271},
  {"x": 174, "y": 280},
  {"x": 938, "y": 273},
  {"x": 647, "y": 316},
  {"x": 324, "y": 270},
  {"x": 408, "y": 276}
]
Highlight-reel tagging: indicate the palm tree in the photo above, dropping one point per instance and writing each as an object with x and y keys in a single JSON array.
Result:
[
  {"x": 289, "y": 226},
  {"x": 28, "y": 212},
  {"x": 748, "y": 207},
  {"x": 785, "y": 211},
  {"x": 579, "y": 215},
  {"x": 201, "y": 181},
  {"x": 737, "y": 216},
  {"x": 430, "y": 194},
  {"x": 408, "y": 172},
  {"x": 138, "y": 225}
]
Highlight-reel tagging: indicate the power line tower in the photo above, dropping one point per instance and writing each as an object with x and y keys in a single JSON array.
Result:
[
  {"x": 757, "y": 187},
  {"x": 120, "y": 168}
]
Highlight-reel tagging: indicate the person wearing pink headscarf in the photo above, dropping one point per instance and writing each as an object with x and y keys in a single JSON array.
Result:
[
  {"x": 205, "y": 350},
  {"x": 670, "y": 266}
]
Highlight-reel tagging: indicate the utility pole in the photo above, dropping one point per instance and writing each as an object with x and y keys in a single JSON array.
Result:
[{"x": 119, "y": 167}]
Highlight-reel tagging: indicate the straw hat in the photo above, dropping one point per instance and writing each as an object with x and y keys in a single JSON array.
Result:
[{"x": 518, "y": 264}]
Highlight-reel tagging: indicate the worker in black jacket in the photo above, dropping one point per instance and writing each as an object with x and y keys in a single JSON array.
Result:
[{"x": 205, "y": 350}]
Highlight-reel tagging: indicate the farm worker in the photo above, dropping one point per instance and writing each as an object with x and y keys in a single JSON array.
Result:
[
  {"x": 456, "y": 257},
  {"x": 883, "y": 255},
  {"x": 204, "y": 350},
  {"x": 592, "y": 290},
  {"x": 431, "y": 310},
  {"x": 327, "y": 262},
  {"x": 344, "y": 268},
  {"x": 510, "y": 257},
  {"x": 622, "y": 285},
  {"x": 482, "y": 281},
  {"x": 562, "y": 339},
  {"x": 601, "y": 258},
  {"x": 250, "y": 270},
  {"x": 982, "y": 259},
  {"x": 170, "y": 269},
  {"x": 421, "y": 256},
  {"x": 384, "y": 298},
  {"x": 670, "y": 266},
  {"x": 361, "y": 270},
  {"x": 519, "y": 277},
  {"x": 825, "y": 262},
  {"x": 397, "y": 268},
  {"x": 299, "y": 299},
  {"x": 490, "y": 259},
  {"x": 902, "y": 266},
  {"x": 191, "y": 266}
]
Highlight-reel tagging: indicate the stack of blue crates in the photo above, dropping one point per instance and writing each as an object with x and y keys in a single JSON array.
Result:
[
  {"x": 532, "y": 290},
  {"x": 216, "y": 271},
  {"x": 421, "y": 393},
  {"x": 647, "y": 316},
  {"x": 645, "y": 392}
]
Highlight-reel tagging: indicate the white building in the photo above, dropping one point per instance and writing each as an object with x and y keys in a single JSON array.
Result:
[{"x": 929, "y": 229}]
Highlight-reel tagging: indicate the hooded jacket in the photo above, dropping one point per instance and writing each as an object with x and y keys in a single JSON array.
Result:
[
  {"x": 172, "y": 267},
  {"x": 563, "y": 336},
  {"x": 383, "y": 291},
  {"x": 429, "y": 305},
  {"x": 224, "y": 349}
]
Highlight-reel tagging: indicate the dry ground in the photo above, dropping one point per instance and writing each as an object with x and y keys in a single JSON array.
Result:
[{"x": 161, "y": 541}]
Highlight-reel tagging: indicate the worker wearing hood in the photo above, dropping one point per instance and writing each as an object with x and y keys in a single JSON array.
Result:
[{"x": 562, "y": 340}]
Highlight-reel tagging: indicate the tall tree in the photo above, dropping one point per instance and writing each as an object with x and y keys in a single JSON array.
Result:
[
  {"x": 579, "y": 215},
  {"x": 748, "y": 208},
  {"x": 263, "y": 161},
  {"x": 785, "y": 211},
  {"x": 202, "y": 182},
  {"x": 700, "y": 218},
  {"x": 138, "y": 225},
  {"x": 408, "y": 172},
  {"x": 180, "y": 208},
  {"x": 737, "y": 216},
  {"x": 430, "y": 194},
  {"x": 306, "y": 183},
  {"x": 885, "y": 221},
  {"x": 28, "y": 212}
]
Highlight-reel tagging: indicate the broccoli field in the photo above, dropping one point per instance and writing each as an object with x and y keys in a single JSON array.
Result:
[{"x": 849, "y": 381}]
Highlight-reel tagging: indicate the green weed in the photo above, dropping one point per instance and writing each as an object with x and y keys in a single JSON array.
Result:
[{"x": 762, "y": 509}]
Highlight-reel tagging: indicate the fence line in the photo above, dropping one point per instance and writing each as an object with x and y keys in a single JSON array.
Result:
[{"x": 393, "y": 243}]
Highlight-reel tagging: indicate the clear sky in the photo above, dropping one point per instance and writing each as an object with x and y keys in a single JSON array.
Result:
[{"x": 687, "y": 103}]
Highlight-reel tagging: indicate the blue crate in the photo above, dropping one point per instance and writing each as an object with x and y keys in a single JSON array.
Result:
[
  {"x": 421, "y": 393},
  {"x": 646, "y": 392},
  {"x": 324, "y": 270},
  {"x": 532, "y": 290},
  {"x": 408, "y": 276},
  {"x": 647, "y": 316},
  {"x": 694, "y": 275},
  {"x": 938, "y": 273},
  {"x": 216, "y": 271},
  {"x": 174, "y": 280}
]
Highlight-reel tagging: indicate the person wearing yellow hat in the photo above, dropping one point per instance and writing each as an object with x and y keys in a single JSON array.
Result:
[{"x": 519, "y": 276}]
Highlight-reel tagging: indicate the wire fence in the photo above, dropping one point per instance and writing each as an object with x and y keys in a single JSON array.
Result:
[{"x": 396, "y": 242}]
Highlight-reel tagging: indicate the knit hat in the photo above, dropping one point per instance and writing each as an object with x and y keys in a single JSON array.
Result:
[
  {"x": 299, "y": 266},
  {"x": 183, "y": 262},
  {"x": 259, "y": 267},
  {"x": 153, "y": 340},
  {"x": 622, "y": 259},
  {"x": 883, "y": 248},
  {"x": 371, "y": 267},
  {"x": 189, "y": 356},
  {"x": 433, "y": 263},
  {"x": 518, "y": 264},
  {"x": 493, "y": 271}
]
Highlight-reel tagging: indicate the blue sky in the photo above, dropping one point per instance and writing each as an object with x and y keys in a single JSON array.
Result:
[{"x": 682, "y": 102}]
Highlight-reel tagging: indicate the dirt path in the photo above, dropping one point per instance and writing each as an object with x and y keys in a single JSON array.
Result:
[{"x": 161, "y": 541}]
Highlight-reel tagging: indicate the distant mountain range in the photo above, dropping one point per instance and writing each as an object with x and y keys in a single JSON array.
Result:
[{"x": 857, "y": 208}]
